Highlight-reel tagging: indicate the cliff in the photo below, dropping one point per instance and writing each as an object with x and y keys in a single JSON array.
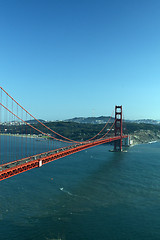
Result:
[{"x": 145, "y": 136}]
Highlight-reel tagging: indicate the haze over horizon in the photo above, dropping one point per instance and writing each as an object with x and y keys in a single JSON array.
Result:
[{"x": 65, "y": 59}]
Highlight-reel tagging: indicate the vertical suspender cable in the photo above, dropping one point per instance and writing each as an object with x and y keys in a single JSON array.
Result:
[
  {"x": 6, "y": 130},
  {"x": 1, "y": 127},
  {"x": 26, "y": 137},
  {"x": 33, "y": 135},
  {"x": 22, "y": 138},
  {"x": 47, "y": 143},
  {"x": 17, "y": 146},
  {"x": 30, "y": 147},
  {"x": 53, "y": 144},
  {"x": 12, "y": 132}
]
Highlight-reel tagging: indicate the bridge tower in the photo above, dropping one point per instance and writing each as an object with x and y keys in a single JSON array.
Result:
[{"x": 118, "y": 128}]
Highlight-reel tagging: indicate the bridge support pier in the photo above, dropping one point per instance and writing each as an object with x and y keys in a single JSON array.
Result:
[{"x": 118, "y": 128}]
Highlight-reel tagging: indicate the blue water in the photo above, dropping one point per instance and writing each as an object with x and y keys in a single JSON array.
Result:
[
  {"x": 90, "y": 195},
  {"x": 14, "y": 148}
]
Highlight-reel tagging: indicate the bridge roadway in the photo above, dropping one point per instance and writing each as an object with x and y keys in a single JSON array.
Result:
[{"x": 16, "y": 167}]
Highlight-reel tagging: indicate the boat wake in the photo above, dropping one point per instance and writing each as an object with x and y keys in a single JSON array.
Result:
[
  {"x": 73, "y": 195},
  {"x": 63, "y": 190}
]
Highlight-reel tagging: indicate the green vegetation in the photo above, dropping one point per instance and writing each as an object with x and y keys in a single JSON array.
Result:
[
  {"x": 75, "y": 131},
  {"x": 132, "y": 127}
]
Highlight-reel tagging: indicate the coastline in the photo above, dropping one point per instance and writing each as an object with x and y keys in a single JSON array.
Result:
[
  {"x": 137, "y": 137},
  {"x": 140, "y": 143},
  {"x": 145, "y": 137},
  {"x": 24, "y": 135}
]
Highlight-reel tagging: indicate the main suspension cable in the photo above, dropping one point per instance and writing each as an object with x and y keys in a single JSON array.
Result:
[
  {"x": 69, "y": 140},
  {"x": 33, "y": 126},
  {"x": 108, "y": 131},
  {"x": 101, "y": 129},
  {"x": 37, "y": 119}
]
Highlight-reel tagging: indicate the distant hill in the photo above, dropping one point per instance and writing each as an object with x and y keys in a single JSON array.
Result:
[
  {"x": 92, "y": 120},
  {"x": 80, "y": 129},
  {"x": 103, "y": 120},
  {"x": 35, "y": 121},
  {"x": 147, "y": 121},
  {"x": 99, "y": 120}
]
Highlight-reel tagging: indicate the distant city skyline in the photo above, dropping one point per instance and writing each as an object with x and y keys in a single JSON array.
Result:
[{"x": 66, "y": 59}]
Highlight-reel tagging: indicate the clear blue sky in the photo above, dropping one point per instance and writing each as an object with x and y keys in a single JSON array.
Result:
[{"x": 67, "y": 58}]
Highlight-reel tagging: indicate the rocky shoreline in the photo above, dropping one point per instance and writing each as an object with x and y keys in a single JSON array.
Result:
[{"x": 144, "y": 136}]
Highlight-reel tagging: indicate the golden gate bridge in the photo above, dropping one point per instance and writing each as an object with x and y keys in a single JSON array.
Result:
[{"x": 18, "y": 128}]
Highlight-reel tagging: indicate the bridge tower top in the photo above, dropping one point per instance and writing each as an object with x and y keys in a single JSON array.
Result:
[{"x": 118, "y": 128}]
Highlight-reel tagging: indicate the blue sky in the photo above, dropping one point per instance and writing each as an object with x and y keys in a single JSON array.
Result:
[{"x": 68, "y": 58}]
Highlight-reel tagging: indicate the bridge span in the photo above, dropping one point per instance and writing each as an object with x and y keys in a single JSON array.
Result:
[
  {"x": 13, "y": 168},
  {"x": 12, "y": 120}
]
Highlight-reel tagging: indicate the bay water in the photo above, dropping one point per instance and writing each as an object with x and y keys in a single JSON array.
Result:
[{"x": 91, "y": 195}]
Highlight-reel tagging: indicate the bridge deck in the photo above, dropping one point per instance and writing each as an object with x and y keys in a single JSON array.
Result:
[{"x": 25, "y": 164}]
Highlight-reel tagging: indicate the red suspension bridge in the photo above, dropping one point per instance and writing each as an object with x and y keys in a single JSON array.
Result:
[{"x": 19, "y": 131}]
